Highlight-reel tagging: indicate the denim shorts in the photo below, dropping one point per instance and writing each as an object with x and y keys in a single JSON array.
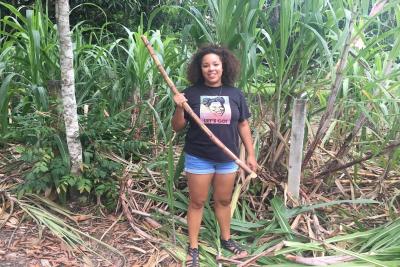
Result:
[{"x": 198, "y": 165}]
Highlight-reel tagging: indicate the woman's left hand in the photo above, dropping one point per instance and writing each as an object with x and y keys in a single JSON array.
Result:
[{"x": 252, "y": 163}]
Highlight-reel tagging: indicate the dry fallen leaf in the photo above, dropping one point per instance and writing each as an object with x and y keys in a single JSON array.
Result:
[
  {"x": 45, "y": 263},
  {"x": 80, "y": 218}
]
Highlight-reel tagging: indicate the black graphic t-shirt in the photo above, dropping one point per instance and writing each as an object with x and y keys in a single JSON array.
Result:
[{"x": 220, "y": 109}]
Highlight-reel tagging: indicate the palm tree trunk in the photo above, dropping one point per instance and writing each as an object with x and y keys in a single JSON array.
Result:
[{"x": 68, "y": 87}]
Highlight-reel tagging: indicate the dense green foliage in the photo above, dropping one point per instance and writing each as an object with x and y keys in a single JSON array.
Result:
[
  {"x": 100, "y": 12},
  {"x": 288, "y": 49}
]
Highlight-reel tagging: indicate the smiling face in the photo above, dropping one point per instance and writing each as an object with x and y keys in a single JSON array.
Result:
[
  {"x": 211, "y": 68},
  {"x": 217, "y": 108}
]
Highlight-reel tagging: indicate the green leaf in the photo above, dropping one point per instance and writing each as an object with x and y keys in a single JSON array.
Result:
[{"x": 281, "y": 216}]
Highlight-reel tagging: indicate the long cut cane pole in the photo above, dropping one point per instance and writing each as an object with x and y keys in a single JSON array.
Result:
[{"x": 189, "y": 110}]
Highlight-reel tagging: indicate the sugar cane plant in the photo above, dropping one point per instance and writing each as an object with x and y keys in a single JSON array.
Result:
[{"x": 340, "y": 55}]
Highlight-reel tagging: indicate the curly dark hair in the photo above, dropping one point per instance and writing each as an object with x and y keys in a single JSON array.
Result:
[
  {"x": 230, "y": 64},
  {"x": 208, "y": 100}
]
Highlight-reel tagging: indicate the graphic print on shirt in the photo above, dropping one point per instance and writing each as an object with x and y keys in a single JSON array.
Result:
[{"x": 215, "y": 110}]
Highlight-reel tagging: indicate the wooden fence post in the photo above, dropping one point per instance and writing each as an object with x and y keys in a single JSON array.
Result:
[{"x": 296, "y": 147}]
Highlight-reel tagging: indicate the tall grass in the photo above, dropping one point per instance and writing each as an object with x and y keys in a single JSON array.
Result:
[
  {"x": 288, "y": 49},
  {"x": 29, "y": 41}
]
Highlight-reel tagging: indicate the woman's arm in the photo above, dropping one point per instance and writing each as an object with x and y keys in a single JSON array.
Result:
[
  {"x": 178, "y": 121},
  {"x": 245, "y": 135}
]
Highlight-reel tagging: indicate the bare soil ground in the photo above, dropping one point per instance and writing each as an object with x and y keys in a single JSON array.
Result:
[{"x": 25, "y": 245}]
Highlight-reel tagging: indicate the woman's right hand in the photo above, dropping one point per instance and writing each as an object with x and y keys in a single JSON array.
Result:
[
  {"x": 178, "y": 120},
  {"x": 179, "y": 99}
]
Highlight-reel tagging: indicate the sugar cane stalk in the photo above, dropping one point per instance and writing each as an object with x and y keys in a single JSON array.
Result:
[{"x": 189, "y": 110}]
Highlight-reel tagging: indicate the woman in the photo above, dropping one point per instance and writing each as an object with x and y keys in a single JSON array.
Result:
[{"x": 212, "y": 72}]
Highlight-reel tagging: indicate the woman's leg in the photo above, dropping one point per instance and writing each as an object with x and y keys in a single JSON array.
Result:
[
  {"x": 223, "y": 186},
  {"x": 199, "y": 185}
]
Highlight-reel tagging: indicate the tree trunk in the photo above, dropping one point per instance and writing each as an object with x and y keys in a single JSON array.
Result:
[{"x": 68, "y": 87}]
